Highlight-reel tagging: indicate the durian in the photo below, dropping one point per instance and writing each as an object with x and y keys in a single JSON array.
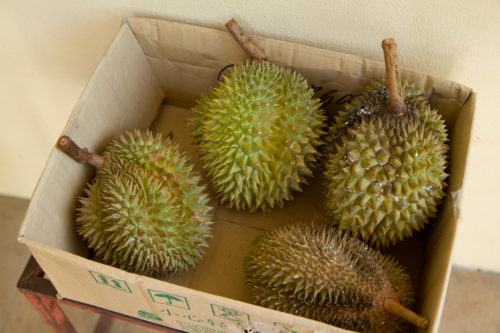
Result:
[
  {"x": 314, "y": 271},
  {"x": 385, "y": 177},
  {"x": 258, "y": 132},
  {"x": 145, "y": 211}
]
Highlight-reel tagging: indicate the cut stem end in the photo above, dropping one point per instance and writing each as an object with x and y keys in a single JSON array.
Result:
[
  {"x": 244, "y": 40},
  {"x": 81, "y": 155},
  {"x": 394, "y": 307},
  {"x": 396, "y": 94}
]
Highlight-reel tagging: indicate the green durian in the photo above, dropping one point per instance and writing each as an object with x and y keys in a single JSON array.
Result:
[
  {"x": 145, "y": 211},
  {"x": 386, "y": 174},
  {"x": 258, "y": 131},
  {"x": 314, "y": 271},
  {"x": 365, "y": 105}
]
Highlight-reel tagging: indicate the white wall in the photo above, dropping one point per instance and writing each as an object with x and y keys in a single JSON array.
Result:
[{"x": 49, "y": 49}]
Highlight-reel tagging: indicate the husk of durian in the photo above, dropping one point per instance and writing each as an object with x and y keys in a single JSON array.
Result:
[
  {"x": 145, "y": 211},
  {"x": 258, "y": 131},
  {"x": 385, "y": 171},
  {"x": 315, "y": 271}
]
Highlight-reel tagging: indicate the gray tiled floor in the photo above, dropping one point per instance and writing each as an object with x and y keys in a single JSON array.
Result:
[{"x": 472, "y": 303}]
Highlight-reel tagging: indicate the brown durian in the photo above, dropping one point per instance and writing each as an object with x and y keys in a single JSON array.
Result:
[{"x": 315, "y": 271}]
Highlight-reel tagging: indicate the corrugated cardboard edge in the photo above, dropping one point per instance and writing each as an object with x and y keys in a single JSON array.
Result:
[{"x": 434, "y": 292}]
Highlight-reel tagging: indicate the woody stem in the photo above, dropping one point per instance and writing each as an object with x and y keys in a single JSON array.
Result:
[
  {"x": 80, "y": 155},
  {"x": 392, "y": 306},
  {"x": 396, "y": 94},
  {"x": 244, "y": 40}
]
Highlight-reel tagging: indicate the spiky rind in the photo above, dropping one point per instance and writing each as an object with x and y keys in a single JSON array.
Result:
[
  {"x": 258, "y": 132},
  {"x": 145, "y": 211},
  {"x": 386, "y": 176},
  {"x": 314, "y": 271}
]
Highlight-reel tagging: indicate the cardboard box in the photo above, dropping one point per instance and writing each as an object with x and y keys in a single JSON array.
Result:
[{"x": 150, "y": 76}]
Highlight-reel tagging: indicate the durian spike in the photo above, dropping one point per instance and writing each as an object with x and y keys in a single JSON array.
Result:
[
  {"x": 244, "y": 40},
  {"x": 394, "y": 307},
  {"x": 396, "y": 92},
  {"x": 81, "y": 155}
]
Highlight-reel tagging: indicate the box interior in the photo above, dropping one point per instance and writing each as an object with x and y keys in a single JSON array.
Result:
[{"x": 153, "y": 73}]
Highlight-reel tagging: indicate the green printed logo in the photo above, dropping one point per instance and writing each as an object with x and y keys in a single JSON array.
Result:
[
  {"x": 149, "y": 315},
  {"x": 110, "y": 281},
  {"x": 229, "y": 314},
  {"x": 288, "y": 328},
  {"x": 195, "y": 328},
  {"x": 162, "y": 297}
]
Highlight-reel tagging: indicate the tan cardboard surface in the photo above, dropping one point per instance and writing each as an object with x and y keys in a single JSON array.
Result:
[
  {"x": 155, "y": 300},
  {"x": 181, "y": 62},
  {"x": 440, "y": 244},
  {"x": 186, "y": 65}
]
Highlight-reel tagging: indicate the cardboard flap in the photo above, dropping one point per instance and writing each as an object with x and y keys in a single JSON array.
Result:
[
  {"x": 187, "y": 65},
  {"x": 440, "y": 244},
  {"x": 122, "y": 94}
]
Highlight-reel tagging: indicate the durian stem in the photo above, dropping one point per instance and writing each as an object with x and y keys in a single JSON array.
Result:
[
  {"x": 244, "y": 40},
  {"x": 394, "y": 307},
  {"x": 78, "y": 154},
  {"x": 396, "y": 94}
]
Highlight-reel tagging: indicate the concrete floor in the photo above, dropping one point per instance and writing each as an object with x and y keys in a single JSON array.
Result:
[{"x": 472, "y": 302}]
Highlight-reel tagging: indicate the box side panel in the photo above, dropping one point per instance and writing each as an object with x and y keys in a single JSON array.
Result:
[
  {"x": 84, "y": 280},
  {"x": 188, "y": 60},
  {"x": 195, "y": 311},
  {"x": 122, "y": 94},
  {"x": 440, "y": 244},
  {"x": 157, "y": 301}
]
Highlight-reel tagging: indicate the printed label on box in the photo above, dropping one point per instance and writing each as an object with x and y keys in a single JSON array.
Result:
[
  {"x": 195, "y": 328},
  {"x": 149, "y": 315},
  {"x": 287, "y": 328},
  {"x": 229, "y": 314},
  {"x": 110, "y": 281},
  {"x": 162, "y": 297}
]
